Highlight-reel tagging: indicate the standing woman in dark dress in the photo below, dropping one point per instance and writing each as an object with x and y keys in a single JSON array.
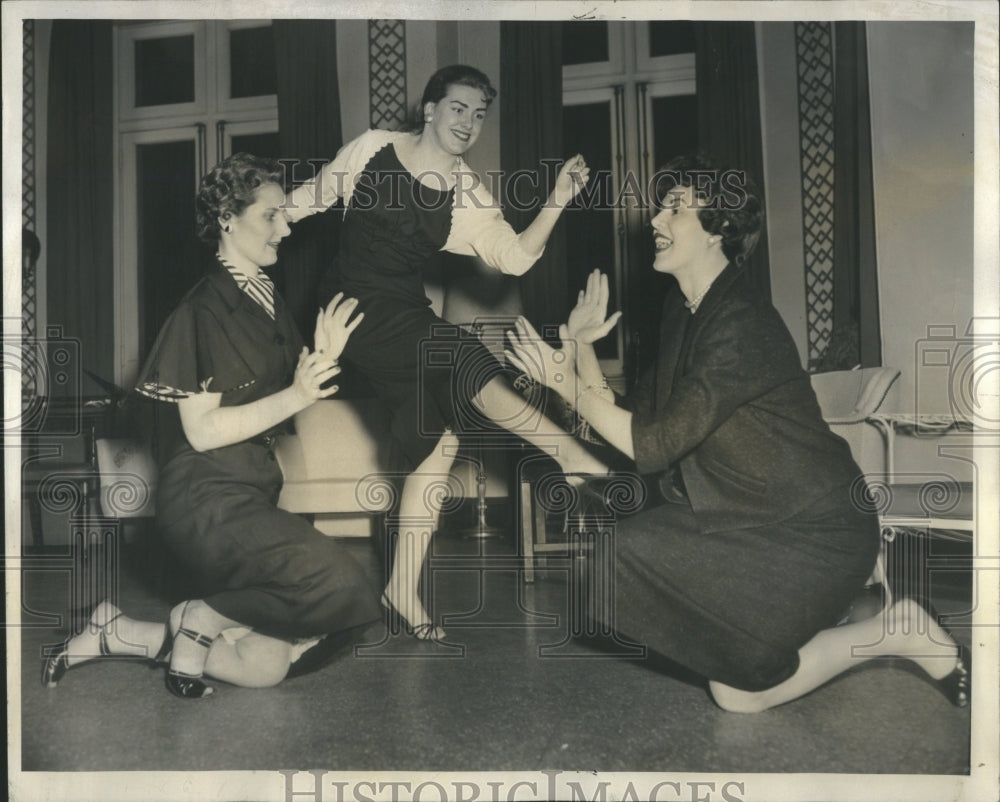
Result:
[
  {"x": 231, "y": 365},
  {"x": 759, "y": 545},
  {"x": 408, "y": 195}
]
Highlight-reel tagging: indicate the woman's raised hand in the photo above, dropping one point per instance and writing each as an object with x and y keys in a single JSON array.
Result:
[
  {"x": 553, "y": 367},
  {"x": 586, "y": 323},
  {"x": 311, "y": 373},
  {"x": 333, "y": 326},
  {"x": 571, "y": 179}
]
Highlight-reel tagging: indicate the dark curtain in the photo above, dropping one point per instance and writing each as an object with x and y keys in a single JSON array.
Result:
[
  {"x": 80, "y": 197},
  {"x": 310, "y": 135},
  {"x": 855, "y": 287},
  {"x": 531, "y": 130},
  {"x": 729, "y": 114}
]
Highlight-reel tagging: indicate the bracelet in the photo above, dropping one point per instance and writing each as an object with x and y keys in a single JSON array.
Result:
[{"x": 597, "y": 389}]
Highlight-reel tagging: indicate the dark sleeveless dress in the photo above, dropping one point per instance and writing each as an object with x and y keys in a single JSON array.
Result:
[{"x": 425, "y": 369}]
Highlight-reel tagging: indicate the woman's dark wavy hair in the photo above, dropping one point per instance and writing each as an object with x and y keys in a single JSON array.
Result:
[
  {"x": 437, "y": 88},
  {"x": 729, "y": 202},
  {"x": 229, "y": 188}
]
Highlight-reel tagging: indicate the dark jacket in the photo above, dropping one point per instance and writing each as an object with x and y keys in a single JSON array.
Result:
[{"x": 728, "y": 404}]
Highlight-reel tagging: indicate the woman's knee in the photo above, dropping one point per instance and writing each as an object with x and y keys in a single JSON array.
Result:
[
  {"x": 267, "y": 660},
  {"x": 734, "y": 700}
]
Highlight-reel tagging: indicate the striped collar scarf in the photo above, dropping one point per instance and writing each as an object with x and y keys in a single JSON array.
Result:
[{"x": 259, "y": 287}]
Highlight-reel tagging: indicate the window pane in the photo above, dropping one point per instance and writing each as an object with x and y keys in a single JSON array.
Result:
[
  {"x": 670, "y": 38},
  {"x": 675, "y": 127},
  {"x": 589, "y": 221},
  {"x": 251, "y": 62},
  {"x": 584, "y": 42},
  {"x": 257, "y": 144},
  {"x": 169, "y": 254},
  {"x": 164, "y": 70}
]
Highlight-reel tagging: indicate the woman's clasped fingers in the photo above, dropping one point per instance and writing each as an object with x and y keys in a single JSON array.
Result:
[{"x": 323, "y": 374}]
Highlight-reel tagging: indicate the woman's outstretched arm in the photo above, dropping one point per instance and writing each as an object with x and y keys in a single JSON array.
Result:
[
  {"x": 572, "y": 177},
  {"x": 479, "y": 228},
  {"x": 555, "y": 368}
]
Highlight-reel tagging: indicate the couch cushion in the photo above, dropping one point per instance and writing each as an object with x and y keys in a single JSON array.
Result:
[{"x": 338, "y": 459}]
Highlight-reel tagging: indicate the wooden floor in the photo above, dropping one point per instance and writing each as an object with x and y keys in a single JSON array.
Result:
[{"x": 511, "y": 691}]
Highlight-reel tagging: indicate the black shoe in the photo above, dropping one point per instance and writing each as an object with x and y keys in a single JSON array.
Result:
[
  {"x": 396, "y": 621},
  {"x": 57, "y": 664},
  {"x": 957, "y": 686},
  {"x": 181, "y": 683}
]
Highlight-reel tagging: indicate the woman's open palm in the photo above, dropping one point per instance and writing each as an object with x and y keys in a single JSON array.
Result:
[
  {"x": 334, "y": 326},
  {"x": 586, "y": 323}
]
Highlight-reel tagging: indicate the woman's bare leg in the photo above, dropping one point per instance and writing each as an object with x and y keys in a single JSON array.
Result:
[
  {"x": 910, "y": 632},
  {"x": 253, "y": 661},
  {"x": 123, "y": 635},
  {"x": 419, "y": 513},
  {"x": 506, "y": 408}
]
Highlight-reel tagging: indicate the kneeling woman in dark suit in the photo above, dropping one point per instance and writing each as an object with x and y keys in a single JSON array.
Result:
[
  {"x": 759, "y": 545},
  {"x": 229, "y": 362}
]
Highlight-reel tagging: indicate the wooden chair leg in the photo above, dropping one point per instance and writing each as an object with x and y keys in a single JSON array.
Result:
[
  {"x": 527, "y": 535},
  {"x": 538, "y": 530}
]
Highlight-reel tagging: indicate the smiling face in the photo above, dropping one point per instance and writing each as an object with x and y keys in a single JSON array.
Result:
[
  {"x": 680, "y": 241},
  {"x": 457, "y": 119},
  {"x": 254, "y": 236}
]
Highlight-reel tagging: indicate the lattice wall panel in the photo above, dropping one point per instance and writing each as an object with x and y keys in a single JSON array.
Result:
[
  {"x": 814, "y": 59},
  {"x": 386, "y": 73},
  {"x": 29, "y": 302}
]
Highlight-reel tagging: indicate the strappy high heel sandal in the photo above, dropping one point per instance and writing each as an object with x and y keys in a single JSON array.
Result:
[
  {"x": 957, "y": 685},
  {"x": 396, "y": 620},
  {"x": 181, "y": 683},
  {"x": 57, "y": 664}
]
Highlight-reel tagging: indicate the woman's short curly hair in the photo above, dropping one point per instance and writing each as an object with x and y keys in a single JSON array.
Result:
[
  {"x": 729, "y": 203},
  {"x": 229, "y": 188}
]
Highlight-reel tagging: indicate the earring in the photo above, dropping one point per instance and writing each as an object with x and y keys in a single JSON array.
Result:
[
  {"x": 227, "y": 228},
  {"x": 428, "y": 119}
]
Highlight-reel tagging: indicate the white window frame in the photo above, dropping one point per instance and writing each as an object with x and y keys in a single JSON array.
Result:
[
  {"x": 642, "y": 79},
  {"x": 612, "y": 68},
  {"x": 662, "y": 67},
  {"x": 126, "y": 256},
  {"x": 223, "y": 79},
  {"x": 613, "y": 367},
  {"x": 126, "y": 38},
  {"x": 242, "y": 128}
]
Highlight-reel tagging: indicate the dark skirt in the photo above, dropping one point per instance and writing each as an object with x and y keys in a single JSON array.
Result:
[
  {"x": 736, "y": 606},
  {"x": 265, "y": 568},
  {"x": 426, "y": 370}
]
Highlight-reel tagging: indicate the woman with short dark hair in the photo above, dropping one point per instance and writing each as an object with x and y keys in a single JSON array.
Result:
[
  {"x": 756, "y": 545},
  {"x": 408, "y": 195}
]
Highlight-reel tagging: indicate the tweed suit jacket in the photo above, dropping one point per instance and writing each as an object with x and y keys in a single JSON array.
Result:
[{"x": 729, "y": 405}]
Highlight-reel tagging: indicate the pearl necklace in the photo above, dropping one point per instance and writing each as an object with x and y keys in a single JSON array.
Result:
[{"x": 696, "y": 301}]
